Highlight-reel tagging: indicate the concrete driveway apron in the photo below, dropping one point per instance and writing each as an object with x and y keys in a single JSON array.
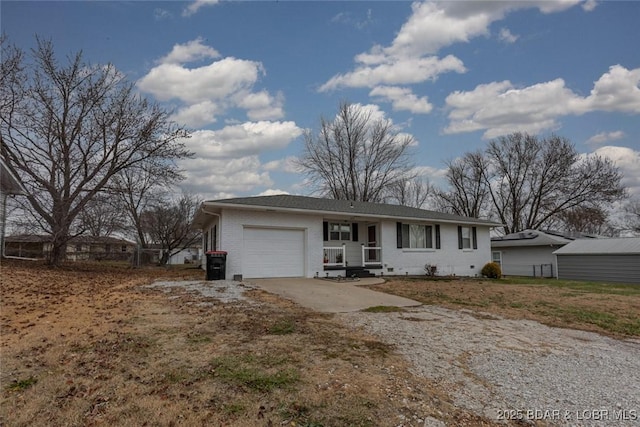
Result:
[{"x": 331, "y": 297}]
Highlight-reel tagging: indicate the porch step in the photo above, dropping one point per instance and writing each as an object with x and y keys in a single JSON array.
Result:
[{"x": 358, "y": 272}]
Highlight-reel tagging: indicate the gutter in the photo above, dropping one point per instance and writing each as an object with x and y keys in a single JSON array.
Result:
[{"x": 350, "y": 214}]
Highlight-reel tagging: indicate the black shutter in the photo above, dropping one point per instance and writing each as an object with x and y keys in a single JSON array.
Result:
[
  {"x": 325, "y": 231},
  {"x": 354, "y": 231},
  {"x": 475, "y": 238},
  {"x": 437, "y": 236},
  {"x": 459, "y": 237},
  {"x": 399, "y": 235}
]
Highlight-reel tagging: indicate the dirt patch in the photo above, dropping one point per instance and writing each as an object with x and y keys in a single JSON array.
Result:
[{"x": 91, "y": 345}]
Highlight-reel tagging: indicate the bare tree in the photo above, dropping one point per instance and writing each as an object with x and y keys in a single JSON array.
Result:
[
  {"x": 632, "y": 211},
  {"x": 68, "y": 129},
  {"x": 469, "y": 195},
  {"x": 140, "y": 187},
  {"x": 169, "y": 224},
  {"x": 11, "y": 76},
  {"x": 414, "y": 192},
  {"x": 589, "y": 220},
  {"x": 531, "y": 181},
  {"x": 355, "y": 156},
  {"x": 101, "y": 216}
]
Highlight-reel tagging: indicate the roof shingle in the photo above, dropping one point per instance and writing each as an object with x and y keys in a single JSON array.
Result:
[{"x": 304, "y": 203}]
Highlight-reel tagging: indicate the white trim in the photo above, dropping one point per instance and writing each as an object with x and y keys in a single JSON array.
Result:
[{"x": 356, "y": 217}]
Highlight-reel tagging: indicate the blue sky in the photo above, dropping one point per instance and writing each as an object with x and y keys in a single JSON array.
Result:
[{"x": 249, "y": 77}]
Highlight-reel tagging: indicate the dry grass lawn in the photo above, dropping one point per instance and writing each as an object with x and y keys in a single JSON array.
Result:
[
  {"x": 89, "y": 345},
  {"x": 609, "y": 309}
]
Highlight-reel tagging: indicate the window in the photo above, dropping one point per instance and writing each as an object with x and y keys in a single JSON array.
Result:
[
  {"x": 417, "y": 236},
  {"x": 78, "y": 248},
  {"x": 496, "y": 257},
  {"x": 339, "y": 231},
  {"x": 467, "y": 237},
  {"x": 107, "y": 248},
  {"x": 123, "y": 248}
]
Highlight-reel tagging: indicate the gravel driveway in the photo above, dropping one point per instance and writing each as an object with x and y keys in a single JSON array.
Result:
[{"x": 516, "y": 369}]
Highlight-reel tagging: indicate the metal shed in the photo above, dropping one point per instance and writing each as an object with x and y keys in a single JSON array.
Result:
[{"x": 605, "y": 260}]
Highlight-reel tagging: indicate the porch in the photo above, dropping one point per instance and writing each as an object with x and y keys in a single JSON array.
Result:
[
  {"x": 351, "y": 248},
  {"x": 335, "y": 258}
]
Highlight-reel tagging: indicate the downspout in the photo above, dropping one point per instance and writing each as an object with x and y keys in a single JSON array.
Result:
[{"x": 202, "y": 208}]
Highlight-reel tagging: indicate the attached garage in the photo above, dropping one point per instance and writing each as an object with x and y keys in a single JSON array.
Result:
[
  {"x": 602, "y": 260},
  {"x": 273, "y": 252}
]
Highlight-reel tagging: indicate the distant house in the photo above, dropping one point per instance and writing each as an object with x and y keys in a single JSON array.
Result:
[
  {"x": 602, "y": 260},
  {"x": 296, "y": 236},
  {"x": 191, "y": 255},
  {"x": 79, "y": 248},
  {"x": 530, "y": 252}
]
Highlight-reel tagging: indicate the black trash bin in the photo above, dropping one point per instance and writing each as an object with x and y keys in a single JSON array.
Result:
[{"x": 216, "y": 265}]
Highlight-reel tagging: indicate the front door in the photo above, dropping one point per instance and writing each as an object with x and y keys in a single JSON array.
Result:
[{"x": 372, "y": 242}]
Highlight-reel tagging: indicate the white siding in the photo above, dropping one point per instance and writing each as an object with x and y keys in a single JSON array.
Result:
[
  {"x": 448, "y": 259},
  {"x": 233, "y": 222},
  {"x": 520, "y": 261}
]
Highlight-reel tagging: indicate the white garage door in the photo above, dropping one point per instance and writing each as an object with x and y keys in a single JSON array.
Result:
[{"x": 273, "y": 252}]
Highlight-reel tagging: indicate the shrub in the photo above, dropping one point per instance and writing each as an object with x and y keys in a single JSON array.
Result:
[{"x": 491, "y": 270}]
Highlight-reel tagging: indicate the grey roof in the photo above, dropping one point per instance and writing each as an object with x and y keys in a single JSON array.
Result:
[
  {"x": 529, "y": 238},
  {"x": 343, "y": 207},
  {"x": 9, "y": 184},
  {"x": 615, "y": 246}
]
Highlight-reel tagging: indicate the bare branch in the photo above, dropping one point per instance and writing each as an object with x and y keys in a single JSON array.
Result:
[{"x": 355, "y": 157}]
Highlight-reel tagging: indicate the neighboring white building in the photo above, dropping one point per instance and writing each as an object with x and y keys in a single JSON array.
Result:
[
  {"x": 528, "y": 252},
  {"x": 296, "y": 236},
  {"x": 191, "y": 255},
  {"x": 602, "y": 260}
]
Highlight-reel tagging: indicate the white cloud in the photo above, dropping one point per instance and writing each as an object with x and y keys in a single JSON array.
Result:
[
  {"x": 603, "y": 137},
  {"x": 272, "y": 192},
  {"x": 589, "y": 5},
  {"x": 288, "y": 164},
  {"x": 209, "y": 90},
  {"x": 430, "y": 172},
  {"x": 196, "y": 5},
  {"x": 214, "y": 81},
  {"x": 372, "y": 110},
  {"x": 160, "y": 14},
  {"x": 208, "y": 176},
  {"x": 197, "y": 115},
  {"x": 394, "y": 71},
  {"x": 249, "y": 138},
  {"x": 348, "y": 18},
  {"x": 628, "y": 160},
  {"x": 191, "y": 51},
  {"x": 434, "y": 25},
  {"x": 617, "y": 90},
  {"x": 500, "y": 108},
  {"x": 261, "y": 105},
  {"x": 411, "y": 57},
  {"x": 506, "y": 36},
  {"x": 402, "y": 99}
]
